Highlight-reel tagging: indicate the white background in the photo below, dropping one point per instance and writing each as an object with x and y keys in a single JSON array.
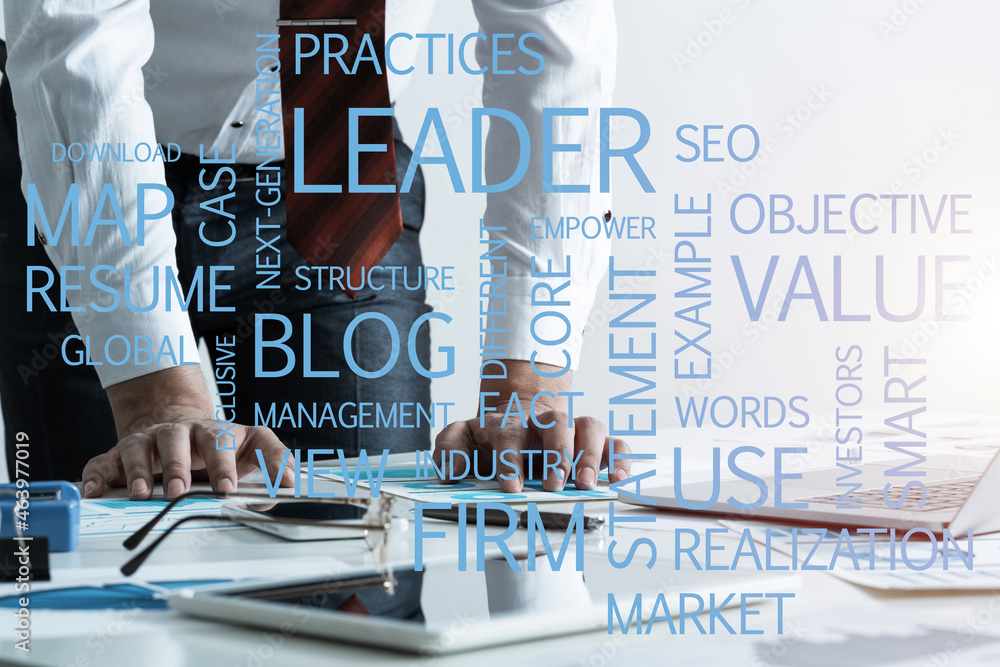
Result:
[{"x": 895, "y": 75}]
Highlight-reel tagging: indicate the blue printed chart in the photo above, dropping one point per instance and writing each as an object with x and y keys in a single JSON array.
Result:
[
  {"x": 124, "y": 517},
  {"x": 406, "y": 481}
]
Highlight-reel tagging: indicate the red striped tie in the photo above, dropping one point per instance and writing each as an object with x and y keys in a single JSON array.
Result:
[{"x": 347, "y": 229}]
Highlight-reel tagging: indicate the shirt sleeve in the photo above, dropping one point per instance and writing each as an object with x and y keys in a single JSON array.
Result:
[
  {"x": 75, "y": 70},
  {"x": 579, "y": 45}
]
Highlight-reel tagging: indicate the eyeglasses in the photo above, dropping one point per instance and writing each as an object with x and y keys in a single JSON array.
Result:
[{"x": 374, "y": 528}]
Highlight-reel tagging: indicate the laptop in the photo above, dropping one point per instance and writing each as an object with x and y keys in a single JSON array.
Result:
[{"x": 960, "y": 495}]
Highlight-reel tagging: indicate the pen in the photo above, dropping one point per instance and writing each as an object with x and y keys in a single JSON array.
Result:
[{"x": 550, "y": 520}]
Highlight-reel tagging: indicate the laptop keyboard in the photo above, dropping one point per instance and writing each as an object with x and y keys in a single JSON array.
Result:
[{"x": 940, "y": 496}]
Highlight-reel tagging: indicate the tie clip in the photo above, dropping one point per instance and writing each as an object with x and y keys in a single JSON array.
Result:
[{"x": 284, "y": 23}]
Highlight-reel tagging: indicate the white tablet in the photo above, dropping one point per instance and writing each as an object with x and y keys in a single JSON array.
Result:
[{"x": 442, "y": 610}]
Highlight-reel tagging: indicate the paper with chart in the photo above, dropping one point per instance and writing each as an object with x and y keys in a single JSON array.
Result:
[
  {"x": 407, "y": 481},
  {"x": 123, "y": 517}
]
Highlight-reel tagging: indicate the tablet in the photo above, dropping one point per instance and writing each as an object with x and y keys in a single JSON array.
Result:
[{"x": 442, "y": 610}]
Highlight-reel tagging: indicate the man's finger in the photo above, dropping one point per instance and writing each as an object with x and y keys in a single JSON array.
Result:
[
  {"x": 219, "y": 463},
  {"x": 621, "y": 466},
  {"x": 455, "y": 437},
  {"x": 137, "y": 462},
  {"x": 510, "y": 438},
  {"x": 174, "y": 449},
  {"x": 591, "y": 447},
  {"x": 557, "y": 441},
  {"x": 273, "y": 452},
  {"x": 102, "y": 470}
]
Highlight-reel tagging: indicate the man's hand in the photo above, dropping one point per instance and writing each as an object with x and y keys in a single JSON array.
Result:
[
  {"x": 166, "y": 425},
  {"x": 585, "y": 436}
]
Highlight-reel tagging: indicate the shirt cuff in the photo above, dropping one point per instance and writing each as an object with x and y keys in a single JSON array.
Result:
[
  {"x": 553, "y": 334},
  {"x": 121, "y": 348}
]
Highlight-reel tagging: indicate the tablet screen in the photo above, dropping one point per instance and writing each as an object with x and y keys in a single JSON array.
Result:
[{"x": 367, "y": 597}]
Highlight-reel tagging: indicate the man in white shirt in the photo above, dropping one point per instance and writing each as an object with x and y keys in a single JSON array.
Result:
[{"x": 76, "y": 71}]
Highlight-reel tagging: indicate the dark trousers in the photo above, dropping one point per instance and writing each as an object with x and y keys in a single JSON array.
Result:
[{"x": 63, "y": 409}]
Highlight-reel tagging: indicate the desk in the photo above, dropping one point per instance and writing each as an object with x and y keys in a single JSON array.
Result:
[{"x": 828, "y": 623}]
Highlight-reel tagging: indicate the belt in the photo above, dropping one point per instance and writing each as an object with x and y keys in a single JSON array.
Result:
[{"x": 188, "y": 163}]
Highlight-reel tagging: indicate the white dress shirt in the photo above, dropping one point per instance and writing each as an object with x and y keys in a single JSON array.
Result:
[{"x": 77, "y": 70}]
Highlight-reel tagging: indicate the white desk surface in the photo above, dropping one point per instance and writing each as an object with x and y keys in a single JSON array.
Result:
[
  {"x": 822, "y": 603},
  {"x": 829, "y": 622}
]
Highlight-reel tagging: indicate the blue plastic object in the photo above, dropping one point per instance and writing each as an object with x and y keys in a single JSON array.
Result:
[{"x": 52, "y": 510}]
